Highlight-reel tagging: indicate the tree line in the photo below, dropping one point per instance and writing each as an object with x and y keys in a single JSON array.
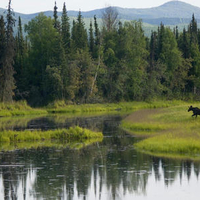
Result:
[{"x": 108, "y": 63}]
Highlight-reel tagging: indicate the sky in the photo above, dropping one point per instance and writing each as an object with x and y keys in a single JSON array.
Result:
[{"x": 33, "y": 6}]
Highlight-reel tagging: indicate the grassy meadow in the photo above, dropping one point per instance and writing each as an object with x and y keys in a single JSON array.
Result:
[
  {"x": 61, "y": 107},
  {"x": 166, "y": 126},
  {"x": 169, "y": 132},
  {"x": 21, "y": 108}
]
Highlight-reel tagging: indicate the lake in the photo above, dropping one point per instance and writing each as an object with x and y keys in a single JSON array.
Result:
[{"x": 107, "y": 170}]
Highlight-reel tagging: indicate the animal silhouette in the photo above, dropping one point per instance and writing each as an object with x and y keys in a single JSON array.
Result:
[{"x": 195, "y": 110}]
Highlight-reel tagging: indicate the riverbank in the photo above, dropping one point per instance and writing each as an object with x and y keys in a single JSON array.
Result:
[
  {"x": 21, "y": 108},
  {"x": 168, "y": 132}
]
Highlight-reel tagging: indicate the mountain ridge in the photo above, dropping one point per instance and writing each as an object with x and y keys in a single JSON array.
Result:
[{"x": 170, "y": 13}]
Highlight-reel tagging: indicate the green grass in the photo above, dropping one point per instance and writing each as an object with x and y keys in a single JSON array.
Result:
[
  {"x": 143, "y": 129},
  {"x": 171, "y": 143},
  {"x": 18, "y": 108},
  {"x": 75, "y": 133},
  {"x": 171, "y": 132},
  {"x": 22, "y": 108},
  {"x": 61, "y": 107}
]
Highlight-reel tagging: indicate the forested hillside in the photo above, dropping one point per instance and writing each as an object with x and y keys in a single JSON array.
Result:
[{"x": 59, "y": 61}]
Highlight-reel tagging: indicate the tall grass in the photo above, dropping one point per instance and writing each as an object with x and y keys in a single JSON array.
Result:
[
  {"x": 171, "y": 143},
  {"x": 18, "y": 108},
  {"x": 75, "y": 133},
  {"x": 171, "y": 131},
  {"x": 61, "y": 107},
  {"x": 22, "y": 108}
]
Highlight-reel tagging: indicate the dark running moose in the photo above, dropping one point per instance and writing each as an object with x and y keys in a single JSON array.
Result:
[{"x": 196, "y": 111}]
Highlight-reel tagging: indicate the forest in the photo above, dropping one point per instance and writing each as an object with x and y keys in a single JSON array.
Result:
[{"x": 48, "y": 60}]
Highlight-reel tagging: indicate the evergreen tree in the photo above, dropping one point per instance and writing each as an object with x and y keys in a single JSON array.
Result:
[
  {"x": 56, "y": 22},
  {"x": 193, "y": 83},
  {"x": 57, "y": 71},
  {"x": 96, "y": 39},
  {"x": 193, "y": 30},
  {"x": 91, "y": 39},
  {"x": 19, "y": 64},
  {"x": 97, "y": 32},
  {"x": 2, "y": 54},
  {"x": 8, "y": 60},
  {"x": 161, "y": 30},
  {"x": 79, "y": 33},
  {"x": 153, "y": 49},
  {"x": 184, "y": 44},
  {"x": 65, "y": 30}
]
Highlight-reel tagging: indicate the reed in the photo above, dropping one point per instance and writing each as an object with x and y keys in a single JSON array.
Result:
[{"x": 75, "y": 133}]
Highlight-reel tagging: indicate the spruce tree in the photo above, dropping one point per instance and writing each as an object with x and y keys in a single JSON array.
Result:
[
  {"x": 97, "y": 32},
  {"x": 161, "y": 31},
  {"x": 96, "y": 39},
  {"x": 65, "y": 30},
  {"x": 184, "y": 44},
  {"x": 56, "y": 21},
  {"x": 8, "y": 61},
  {"x": 193, "y": 30},
  {"x": 153, "y": 49},
  {"x": 91, "y": 39},
  {"x": 2, "y": 54},
  {"x": 19, "y": 64},
  {"x": 79, "y": 33}
]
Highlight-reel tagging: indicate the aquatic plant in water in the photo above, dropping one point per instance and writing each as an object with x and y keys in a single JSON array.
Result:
[{"x": 73, "y": 133}]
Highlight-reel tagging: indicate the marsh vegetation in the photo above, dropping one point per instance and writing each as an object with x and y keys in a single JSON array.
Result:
[{"x": 168, "y": 132}]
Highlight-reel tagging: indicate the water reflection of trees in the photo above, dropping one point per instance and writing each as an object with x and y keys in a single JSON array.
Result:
[{"x": 60, "y": 174}]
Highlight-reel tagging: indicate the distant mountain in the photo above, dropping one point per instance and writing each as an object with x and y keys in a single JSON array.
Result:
[
  {"x": 171, "y": 13},
  {"x": 172, "y": 9}
]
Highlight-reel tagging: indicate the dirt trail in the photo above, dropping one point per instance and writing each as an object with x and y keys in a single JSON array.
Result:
[{"x": 142, "y": 115}]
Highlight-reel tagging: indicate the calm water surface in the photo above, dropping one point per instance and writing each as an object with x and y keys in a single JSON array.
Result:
[{"x": 107, "y": 170}]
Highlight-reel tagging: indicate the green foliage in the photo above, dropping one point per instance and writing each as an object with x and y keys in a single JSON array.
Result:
[
  {"x": 61, "y": 107},
  {"x": 170, "y": 131},
  {"x": 65, "y": 30},
  {"x": 117, "y": 63},
  {"x": 18, "y": 108},
  {"x": 75, "y": 133},
  {"x": 170, "y": 143},
  {"x": 7, "y": 82},
  {"x": 143, "y": 129},
  {"x": 79, "y": 34}
]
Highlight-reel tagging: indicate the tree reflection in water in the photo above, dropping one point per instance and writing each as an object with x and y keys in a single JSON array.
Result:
[{"x": 110, "y": 169}]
